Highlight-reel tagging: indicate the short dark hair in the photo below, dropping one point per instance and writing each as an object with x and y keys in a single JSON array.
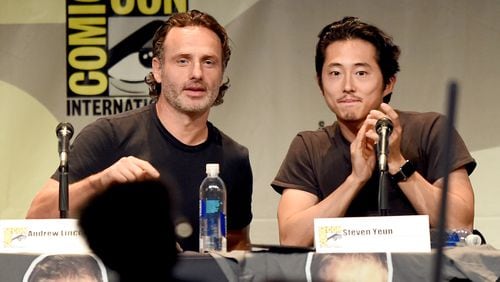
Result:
[
  {"x": 191, "y": 18},
  {"x": 353, "y": 28},
  {"x": 58, "y": 266}
]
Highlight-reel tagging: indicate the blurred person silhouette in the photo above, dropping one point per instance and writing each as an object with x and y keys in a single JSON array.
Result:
[{"x": 130, "y": 227}]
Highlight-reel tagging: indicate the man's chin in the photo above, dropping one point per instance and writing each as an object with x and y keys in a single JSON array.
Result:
[{"x": 195, "y": 110}]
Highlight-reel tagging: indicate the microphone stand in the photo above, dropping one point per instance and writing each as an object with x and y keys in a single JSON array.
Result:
[
  {"x": 452, "y": 104},
  {"x": 383, "y": 197},
  {"x": 63, "y": 188}
]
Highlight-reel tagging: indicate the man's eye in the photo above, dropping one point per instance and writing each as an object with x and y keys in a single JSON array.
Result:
[{"x": 209, "y": 62}]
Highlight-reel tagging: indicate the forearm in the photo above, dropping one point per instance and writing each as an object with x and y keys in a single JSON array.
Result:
[
  {"x": 426, "y": 199},
  {"x": 296, "y": 228},
  {"x": 238, "y": 239},
  {"x": 46, "y": 202}
]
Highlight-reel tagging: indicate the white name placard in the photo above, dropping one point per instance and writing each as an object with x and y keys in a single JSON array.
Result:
[
  {"x": 42, "y": 236},
  {"x": 372, "y": 234}
]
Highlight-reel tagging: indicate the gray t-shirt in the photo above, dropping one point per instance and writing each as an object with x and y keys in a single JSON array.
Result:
[{"x": 319, "y": 161}]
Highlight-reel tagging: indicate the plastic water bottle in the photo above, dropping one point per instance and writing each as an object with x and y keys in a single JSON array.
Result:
[
  {"x": 462, "y": 237},
  {"x": 212, "y": 211}
]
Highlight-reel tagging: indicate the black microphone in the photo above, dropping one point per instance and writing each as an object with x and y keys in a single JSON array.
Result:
[
  {"x": 384, "y": 130},
  {"x": 64, "y": 132}
]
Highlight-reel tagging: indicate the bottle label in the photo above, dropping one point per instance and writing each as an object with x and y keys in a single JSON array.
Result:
[
  {"x": 212, "y": 216},
  {"x": 212, "y": 206},
  {"x": 212, "y": 226}
]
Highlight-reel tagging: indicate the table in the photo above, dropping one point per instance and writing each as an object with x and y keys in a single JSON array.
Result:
[{"x": 480, "y": 263}]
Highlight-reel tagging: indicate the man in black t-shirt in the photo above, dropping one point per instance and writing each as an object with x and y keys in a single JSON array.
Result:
[{"x": 170, "y": 139}]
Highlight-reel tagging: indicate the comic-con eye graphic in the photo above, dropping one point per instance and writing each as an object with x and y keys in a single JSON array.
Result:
[{"x": 130, "y": 61}]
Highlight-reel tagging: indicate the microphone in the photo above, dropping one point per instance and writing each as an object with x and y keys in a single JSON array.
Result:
[
  {"x": 64, "y": 132},
  {"x": 384, "y": 130}
]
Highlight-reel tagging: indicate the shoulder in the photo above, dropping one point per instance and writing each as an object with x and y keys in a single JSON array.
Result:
[
  {"x": 235, "y": 156},
  {"x": 131, "y": 116},
  {"x": 411, "y": 116},
  {"x": 226, "y": 141},
  {"x": 128, "y": 120},
  {"x": 119, "y": 125},
  {"x": 320, "y": 137},
  {"x": 421, "y": 120}
]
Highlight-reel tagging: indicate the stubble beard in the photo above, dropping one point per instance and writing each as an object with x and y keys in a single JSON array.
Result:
[
  {"x": 350, "y": 117},
  {"x": 185, "y": 105}
]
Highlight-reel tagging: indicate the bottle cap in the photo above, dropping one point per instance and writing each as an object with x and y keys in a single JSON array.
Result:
[
  {"x": 212, "y": 169},
  {"x": 473, "y": 240}
]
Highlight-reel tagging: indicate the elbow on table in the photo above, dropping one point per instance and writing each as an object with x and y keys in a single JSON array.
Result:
[{"x": 298, "y": 241}]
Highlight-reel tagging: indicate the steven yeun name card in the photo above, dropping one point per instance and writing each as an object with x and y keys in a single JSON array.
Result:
[{"x": 395, "y": 234}]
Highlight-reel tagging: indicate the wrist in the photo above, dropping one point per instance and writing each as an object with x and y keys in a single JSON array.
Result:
[
  {"x": 355, "y": 180},
  {"x": 95, "y": 182},
  {"x": 405, "y": 171},
  {"x": 394, "y": 166}
]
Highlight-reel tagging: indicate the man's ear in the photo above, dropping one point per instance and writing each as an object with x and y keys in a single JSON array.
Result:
[
  {"x": 156, "y": 65},
  {"x": 320, "y": 84},
  {"x": 389, "y": 86}
]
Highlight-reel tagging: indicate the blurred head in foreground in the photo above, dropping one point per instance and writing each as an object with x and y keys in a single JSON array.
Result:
[
  {"x": 67, "y": 268},
  {"x": 353, "y": 267},
  {"x": 129, "y": 224}
]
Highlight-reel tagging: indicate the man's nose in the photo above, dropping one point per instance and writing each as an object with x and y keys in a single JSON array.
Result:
[{"x": 196, "y": 71}]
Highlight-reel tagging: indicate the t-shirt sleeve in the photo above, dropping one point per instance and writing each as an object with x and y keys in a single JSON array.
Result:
[
  {"x": 91, "y": 151},
  {"x": 296, "y": 170},
  {"x": 436, "y": 150}
]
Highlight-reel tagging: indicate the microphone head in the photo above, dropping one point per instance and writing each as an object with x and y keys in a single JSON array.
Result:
[
  {"x": 383, "y": 123},
  {"x": 64, "y": 129}
]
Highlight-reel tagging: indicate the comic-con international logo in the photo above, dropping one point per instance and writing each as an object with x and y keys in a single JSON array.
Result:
[
  {"x": 109, "y": 52},
  {"x": 330, "y": 236},
  {"x": 14, "y": 236}
]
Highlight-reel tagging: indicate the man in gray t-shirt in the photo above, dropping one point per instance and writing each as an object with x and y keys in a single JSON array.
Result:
[{"x": 332, "y": 172}]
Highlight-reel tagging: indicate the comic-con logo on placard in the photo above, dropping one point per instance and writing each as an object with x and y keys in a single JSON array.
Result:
[
  {"x": 109, "y": 52},
  {"x": 330, "y": 236},
  {"x": 14, "y": 236}
]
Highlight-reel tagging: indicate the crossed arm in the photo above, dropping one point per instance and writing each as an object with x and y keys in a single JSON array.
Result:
[{"x": 297, "y": 209}]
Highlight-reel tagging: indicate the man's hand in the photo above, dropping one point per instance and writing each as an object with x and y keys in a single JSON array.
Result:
[
  {"x": 362, "y": 154},
  {"x": 126, "y": 169},
  {"x": 395, "y": 158}
]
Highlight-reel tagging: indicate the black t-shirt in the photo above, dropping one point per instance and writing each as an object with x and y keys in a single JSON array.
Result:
[
  {"x": 139, "y": 133},
  {"x": 319, "y": 161}
]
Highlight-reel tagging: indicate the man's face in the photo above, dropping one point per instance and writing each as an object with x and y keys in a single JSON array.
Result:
[
  {"x": 352, "y": 80},
  {"x": 191, "y": 71}
]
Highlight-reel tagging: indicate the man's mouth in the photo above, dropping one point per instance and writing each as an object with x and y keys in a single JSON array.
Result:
[{"x": 349, "y": 100}]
